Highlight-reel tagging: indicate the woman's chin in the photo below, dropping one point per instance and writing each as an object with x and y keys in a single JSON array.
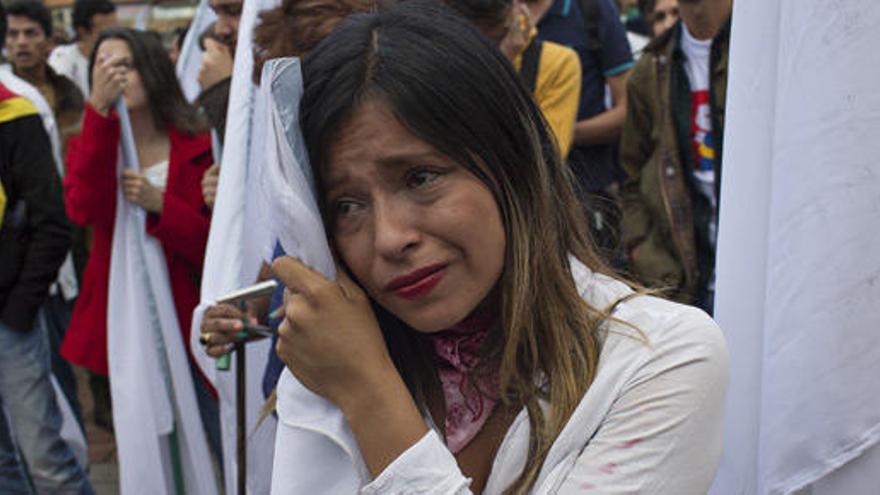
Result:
[{"x": 427, "y": 322}]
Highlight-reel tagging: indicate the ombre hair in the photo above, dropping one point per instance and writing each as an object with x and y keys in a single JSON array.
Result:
[{"x": 448, "y": 86}]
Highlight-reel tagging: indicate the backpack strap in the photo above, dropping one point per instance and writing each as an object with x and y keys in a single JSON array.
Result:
[{"x": 528, "y": 70}]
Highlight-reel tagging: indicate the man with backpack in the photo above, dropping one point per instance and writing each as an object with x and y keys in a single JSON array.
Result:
[{"x": 593, "y": 29}]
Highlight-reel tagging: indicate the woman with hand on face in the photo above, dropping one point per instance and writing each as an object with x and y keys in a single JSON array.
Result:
[
  {"x": 473, "y": 340},
  {"x": 174, "y": 151}
]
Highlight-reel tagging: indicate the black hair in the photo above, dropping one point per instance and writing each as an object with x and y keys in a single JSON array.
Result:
[
  {"x": 2, "y": 26},
  {"x": 34, "y": 11},
  {"x": 85, "y": 10},
  {"x": 486, "y": 14},
  {"x": 167, "y": 103},
  {"x": 180, "y": 36}
]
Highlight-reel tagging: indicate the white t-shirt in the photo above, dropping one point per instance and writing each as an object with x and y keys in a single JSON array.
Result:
[
  {"x": 651, "y": 422},
  {"x": 697, "y": 54},
  {"x": 158, "y": 175},
  {"x": 68, "y": 61}
]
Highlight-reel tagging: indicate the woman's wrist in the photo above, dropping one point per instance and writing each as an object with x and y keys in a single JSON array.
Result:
[
  {"x": 383, "y": 386},
  {"x": 385, "y": 420},
  {"x": 99, "y": 106}
]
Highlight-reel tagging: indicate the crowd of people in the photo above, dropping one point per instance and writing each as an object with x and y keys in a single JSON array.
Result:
[{"x": 522, "y": 198}]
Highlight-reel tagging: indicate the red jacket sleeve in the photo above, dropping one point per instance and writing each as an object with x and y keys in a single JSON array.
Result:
[
  {"x": 90, "y": 182},
  {"x": 181, "y": 228}
]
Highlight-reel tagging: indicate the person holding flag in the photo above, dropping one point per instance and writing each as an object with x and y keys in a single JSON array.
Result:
[{"x": 141, "y": 282}]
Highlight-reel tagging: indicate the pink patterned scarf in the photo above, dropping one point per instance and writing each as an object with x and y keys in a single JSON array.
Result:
[{"x": 470, "y": 397}]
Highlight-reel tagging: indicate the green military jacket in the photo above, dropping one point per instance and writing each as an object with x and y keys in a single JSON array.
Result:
[{"x": 658, "y": 214}]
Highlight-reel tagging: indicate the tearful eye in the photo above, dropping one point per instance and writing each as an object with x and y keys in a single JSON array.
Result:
[
  {"x": 345, "y": 207},
  {"x": 421, "y": 178}
]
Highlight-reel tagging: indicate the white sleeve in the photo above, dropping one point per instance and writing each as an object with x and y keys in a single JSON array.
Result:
[
  {"x": 663, "y": 434},
  {"x": 59, "y": 62},
  {"x": 426, "y": 468}
]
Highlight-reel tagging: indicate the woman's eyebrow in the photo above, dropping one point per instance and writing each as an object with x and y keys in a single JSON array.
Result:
[
  {"x": 397, "y": 160},
  {"x": 408, "y": 158}
]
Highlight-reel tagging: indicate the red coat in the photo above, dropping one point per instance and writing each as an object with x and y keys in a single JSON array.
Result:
[{"x": 90, "y": 186}]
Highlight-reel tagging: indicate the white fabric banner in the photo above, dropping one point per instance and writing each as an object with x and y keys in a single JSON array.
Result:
[
  {"x": 190, "y": 59},
  {"x": 156, "y": 416},
  {"x": 798, "y": 273},
  {"x": 313, "y": 433},
  {"x": 237, "y": 246}
]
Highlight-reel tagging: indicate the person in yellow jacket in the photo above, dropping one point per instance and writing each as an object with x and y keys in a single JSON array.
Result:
[
  {"x": 12, "y": 107},
  {"x": 34, "y": 238},
  {"x": 550, "y": 71}
]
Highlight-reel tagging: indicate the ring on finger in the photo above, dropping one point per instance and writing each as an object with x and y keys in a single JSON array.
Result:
[{"x": 205, "y": 339}]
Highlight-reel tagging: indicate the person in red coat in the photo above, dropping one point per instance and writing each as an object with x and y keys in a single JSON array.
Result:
[{"x": 174, "y": 151}]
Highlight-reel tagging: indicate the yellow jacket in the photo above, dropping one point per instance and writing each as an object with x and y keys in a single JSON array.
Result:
[
  {"x": 557, "y": 89},
  {"x": 11, "y": 108}
]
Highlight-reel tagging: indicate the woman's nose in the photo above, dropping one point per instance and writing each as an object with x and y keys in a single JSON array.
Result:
[{"x": 395, "y": 229}]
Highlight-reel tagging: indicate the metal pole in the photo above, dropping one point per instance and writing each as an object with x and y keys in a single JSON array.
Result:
[{"x": 240, "y": 417}]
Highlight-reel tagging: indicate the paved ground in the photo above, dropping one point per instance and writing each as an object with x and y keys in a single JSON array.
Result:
[{"x": 103, "y": 470}]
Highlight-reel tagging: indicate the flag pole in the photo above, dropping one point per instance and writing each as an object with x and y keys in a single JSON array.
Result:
[{"x": 241, "y": 436}]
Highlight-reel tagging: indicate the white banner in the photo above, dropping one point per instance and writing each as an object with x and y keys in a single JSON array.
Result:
[
  {"x": 190, "y": 59},
  {"x": 798, "y": 274},
  {"x": 237, "y": 246},
  {"x": 160, "y": 439}
]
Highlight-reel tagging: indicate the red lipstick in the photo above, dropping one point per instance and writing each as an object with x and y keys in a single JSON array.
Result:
[{"x": 418, "y": 283}]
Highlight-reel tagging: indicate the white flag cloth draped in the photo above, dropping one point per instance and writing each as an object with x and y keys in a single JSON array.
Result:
[
  {"x": 312, "y": 432},
  {"x": 159, "y": 434},
  {"x": 237, "y": 246},
  {"x": 798, "y": 271},
  {"x": 71, "y": 431},
  {"x": 190, "y": 59}
]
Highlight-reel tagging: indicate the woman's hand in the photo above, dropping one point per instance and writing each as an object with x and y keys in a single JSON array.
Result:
[
  {"x": 209, "y": 185},
  {"x": 138, "y": 190},
  {"x": 108, "y": 82},
  {"x": 330, "y": 340},
  {"x": 221, "y": 325},
  {"x": 329, "y": 337}
]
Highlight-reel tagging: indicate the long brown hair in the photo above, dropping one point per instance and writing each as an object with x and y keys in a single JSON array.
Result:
[
  {"x": 167, "y": 103},
  {"x": 449, "y": 87}
]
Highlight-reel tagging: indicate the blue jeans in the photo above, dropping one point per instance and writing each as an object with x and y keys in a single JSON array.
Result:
[
  {"x": 28, "y": 398},
  {"x": 54, "y": 317},
  {"x": 13, "y": 481}
]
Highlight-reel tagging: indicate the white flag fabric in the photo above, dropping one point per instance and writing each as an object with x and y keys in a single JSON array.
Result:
[
  {"x": 237, "y": 246},
  {"x": 156, "y": 416},
  {"x": 190, "y": 59},
  {"x": 313, "y": 434},
  {"x": 798, "y": 266}
]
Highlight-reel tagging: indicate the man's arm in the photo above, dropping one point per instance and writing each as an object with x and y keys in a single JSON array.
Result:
[
  {"x": 605, "y": 128},
  {"x": 615, "y": 59},
  {"x": 46, "y": 226}
]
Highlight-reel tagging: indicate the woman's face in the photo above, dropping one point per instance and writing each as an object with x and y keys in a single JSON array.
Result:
[
  {"x": 135, "y": 95},
  {"x": 420, "y": 233}
]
